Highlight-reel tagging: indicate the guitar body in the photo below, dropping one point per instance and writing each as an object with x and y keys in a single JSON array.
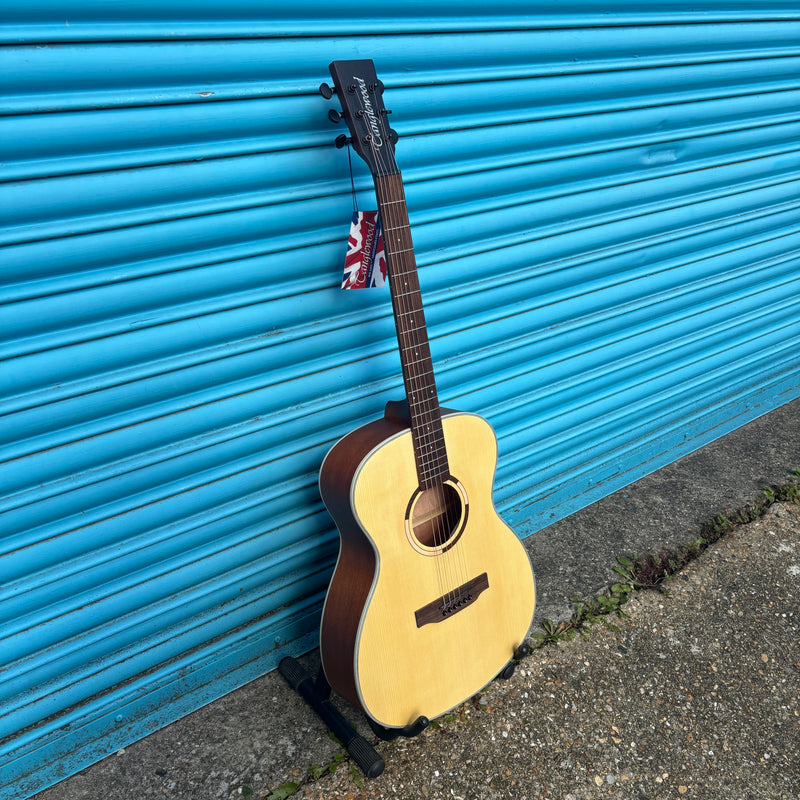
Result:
[{"x": 432, "y": 592}]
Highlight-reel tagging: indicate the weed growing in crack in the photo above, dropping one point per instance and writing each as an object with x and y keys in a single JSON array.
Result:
[
  {"x": 649, "y": 572},
  {"x": 283, "y": 791}
]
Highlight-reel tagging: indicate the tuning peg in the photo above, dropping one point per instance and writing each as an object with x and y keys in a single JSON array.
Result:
[
  {"x": 393, "y": 135},
  {"x": 325, "y": 91},
  {"x": 334, "y": 116},
  {"x": 377, "y": 86},
  {"x": 342, "y": 141}
]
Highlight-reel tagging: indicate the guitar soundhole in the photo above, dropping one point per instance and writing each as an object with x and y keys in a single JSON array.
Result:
[{"x": 436, "y": 518}]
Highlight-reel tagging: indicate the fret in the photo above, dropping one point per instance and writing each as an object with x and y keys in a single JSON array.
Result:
[
  {"x": 405, "y": 250},
  {"x": 429, "y": 426},
  {"x": 425, "y": 390},
  {"x": 430, "y": 397},
  {"x": 434, "y": 448},
  {"x": 432, "y": 456},
  {"x": 409, "y": 293},
  {"x": 398, "y": 276},
  {"x": 438, "y": 461},
  {"x": 430, "y": 429},
  {"x": 409, "y": 278},
  {"x": 414, "y": 346},
  {"x": 430, "y": 477},
  {"x": 411, "y": 328},
  {"x": 422, "y": 360},
  {"x": 431, "y": 453},
  {"x": 422, "y": 375}
]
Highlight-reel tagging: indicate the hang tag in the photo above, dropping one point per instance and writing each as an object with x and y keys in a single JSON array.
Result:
[{"x": 365, "y": 263}]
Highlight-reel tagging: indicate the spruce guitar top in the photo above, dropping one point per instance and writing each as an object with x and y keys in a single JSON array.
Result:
[{"x": 432, "y": 593}]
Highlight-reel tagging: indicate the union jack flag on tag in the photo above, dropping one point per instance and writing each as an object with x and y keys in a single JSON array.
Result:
[{"x": 365, "y": 263}]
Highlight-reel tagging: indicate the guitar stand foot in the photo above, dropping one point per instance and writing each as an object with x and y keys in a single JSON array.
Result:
[
  {"x": 316, "y": 694},
  {"x": 390, "y": 734},
  {"x": 508, "y": 670}
]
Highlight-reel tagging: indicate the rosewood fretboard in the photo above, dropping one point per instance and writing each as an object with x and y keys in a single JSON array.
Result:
[{"x": 412, "y": 334}]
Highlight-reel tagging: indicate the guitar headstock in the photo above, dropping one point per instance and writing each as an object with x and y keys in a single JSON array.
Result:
[{"x": 361, "y": 95}]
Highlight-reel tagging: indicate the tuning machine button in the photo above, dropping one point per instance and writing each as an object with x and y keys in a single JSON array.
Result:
[
  {"x": 334, "y": 116},
  {"x": 393, "y": 136},
  {"x": 325, "y": 91},
  {"x": 342, "y": 141}
]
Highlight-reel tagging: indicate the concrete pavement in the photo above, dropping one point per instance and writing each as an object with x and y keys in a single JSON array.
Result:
[{"x": 696, "y": 695}]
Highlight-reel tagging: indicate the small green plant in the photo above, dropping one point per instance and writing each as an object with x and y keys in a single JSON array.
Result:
[
  {"x": 356, "y": 776},
  {"x": 587, "y": 613},
  {"x": 555, "y": 631},
  {"x": 436, "y": 726},
  {"x": 649, "y": 572},
  {"x": 790, "y": 492},
  {"x": 247, "y": 793},
  {"x": 610, "y": 602},
  {"x": 337, "y": 759},
  {"x": 283, "y": 791},
  {"x": 627, "y": 567},
  {"x": 620, "y": 591}
]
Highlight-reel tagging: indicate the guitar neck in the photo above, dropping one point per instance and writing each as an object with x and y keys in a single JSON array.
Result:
[{"x": 412, "y": 334}]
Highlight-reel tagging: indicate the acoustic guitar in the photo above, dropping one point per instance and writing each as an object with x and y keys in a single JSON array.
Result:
[{"x": 432, "y": 592}]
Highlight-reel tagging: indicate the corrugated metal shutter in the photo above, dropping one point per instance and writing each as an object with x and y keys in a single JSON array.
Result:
[{"x": 605, "y": 208}]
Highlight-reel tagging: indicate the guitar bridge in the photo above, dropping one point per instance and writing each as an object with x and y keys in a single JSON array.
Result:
[{"x": 451, "y": 603}]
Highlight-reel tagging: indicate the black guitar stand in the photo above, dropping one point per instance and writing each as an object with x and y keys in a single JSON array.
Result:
[
  {"x": 317, "y": 692},
  {"x": 520, "y": 653}
]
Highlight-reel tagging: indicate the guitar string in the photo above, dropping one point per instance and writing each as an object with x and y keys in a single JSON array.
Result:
[
  {"x": 448, "y": 522},
  {"x": 416, "y": 394},
  {"x": 429, "y": 431},
  {"x": 445, "y": 524},
  {"x": 400, "y": 298}
]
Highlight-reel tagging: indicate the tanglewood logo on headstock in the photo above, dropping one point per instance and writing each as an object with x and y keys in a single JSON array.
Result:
[{"x": 369, "y": 112}]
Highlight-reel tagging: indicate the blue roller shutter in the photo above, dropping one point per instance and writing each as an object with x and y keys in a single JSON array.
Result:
[{"x": 605, "y": 209}]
